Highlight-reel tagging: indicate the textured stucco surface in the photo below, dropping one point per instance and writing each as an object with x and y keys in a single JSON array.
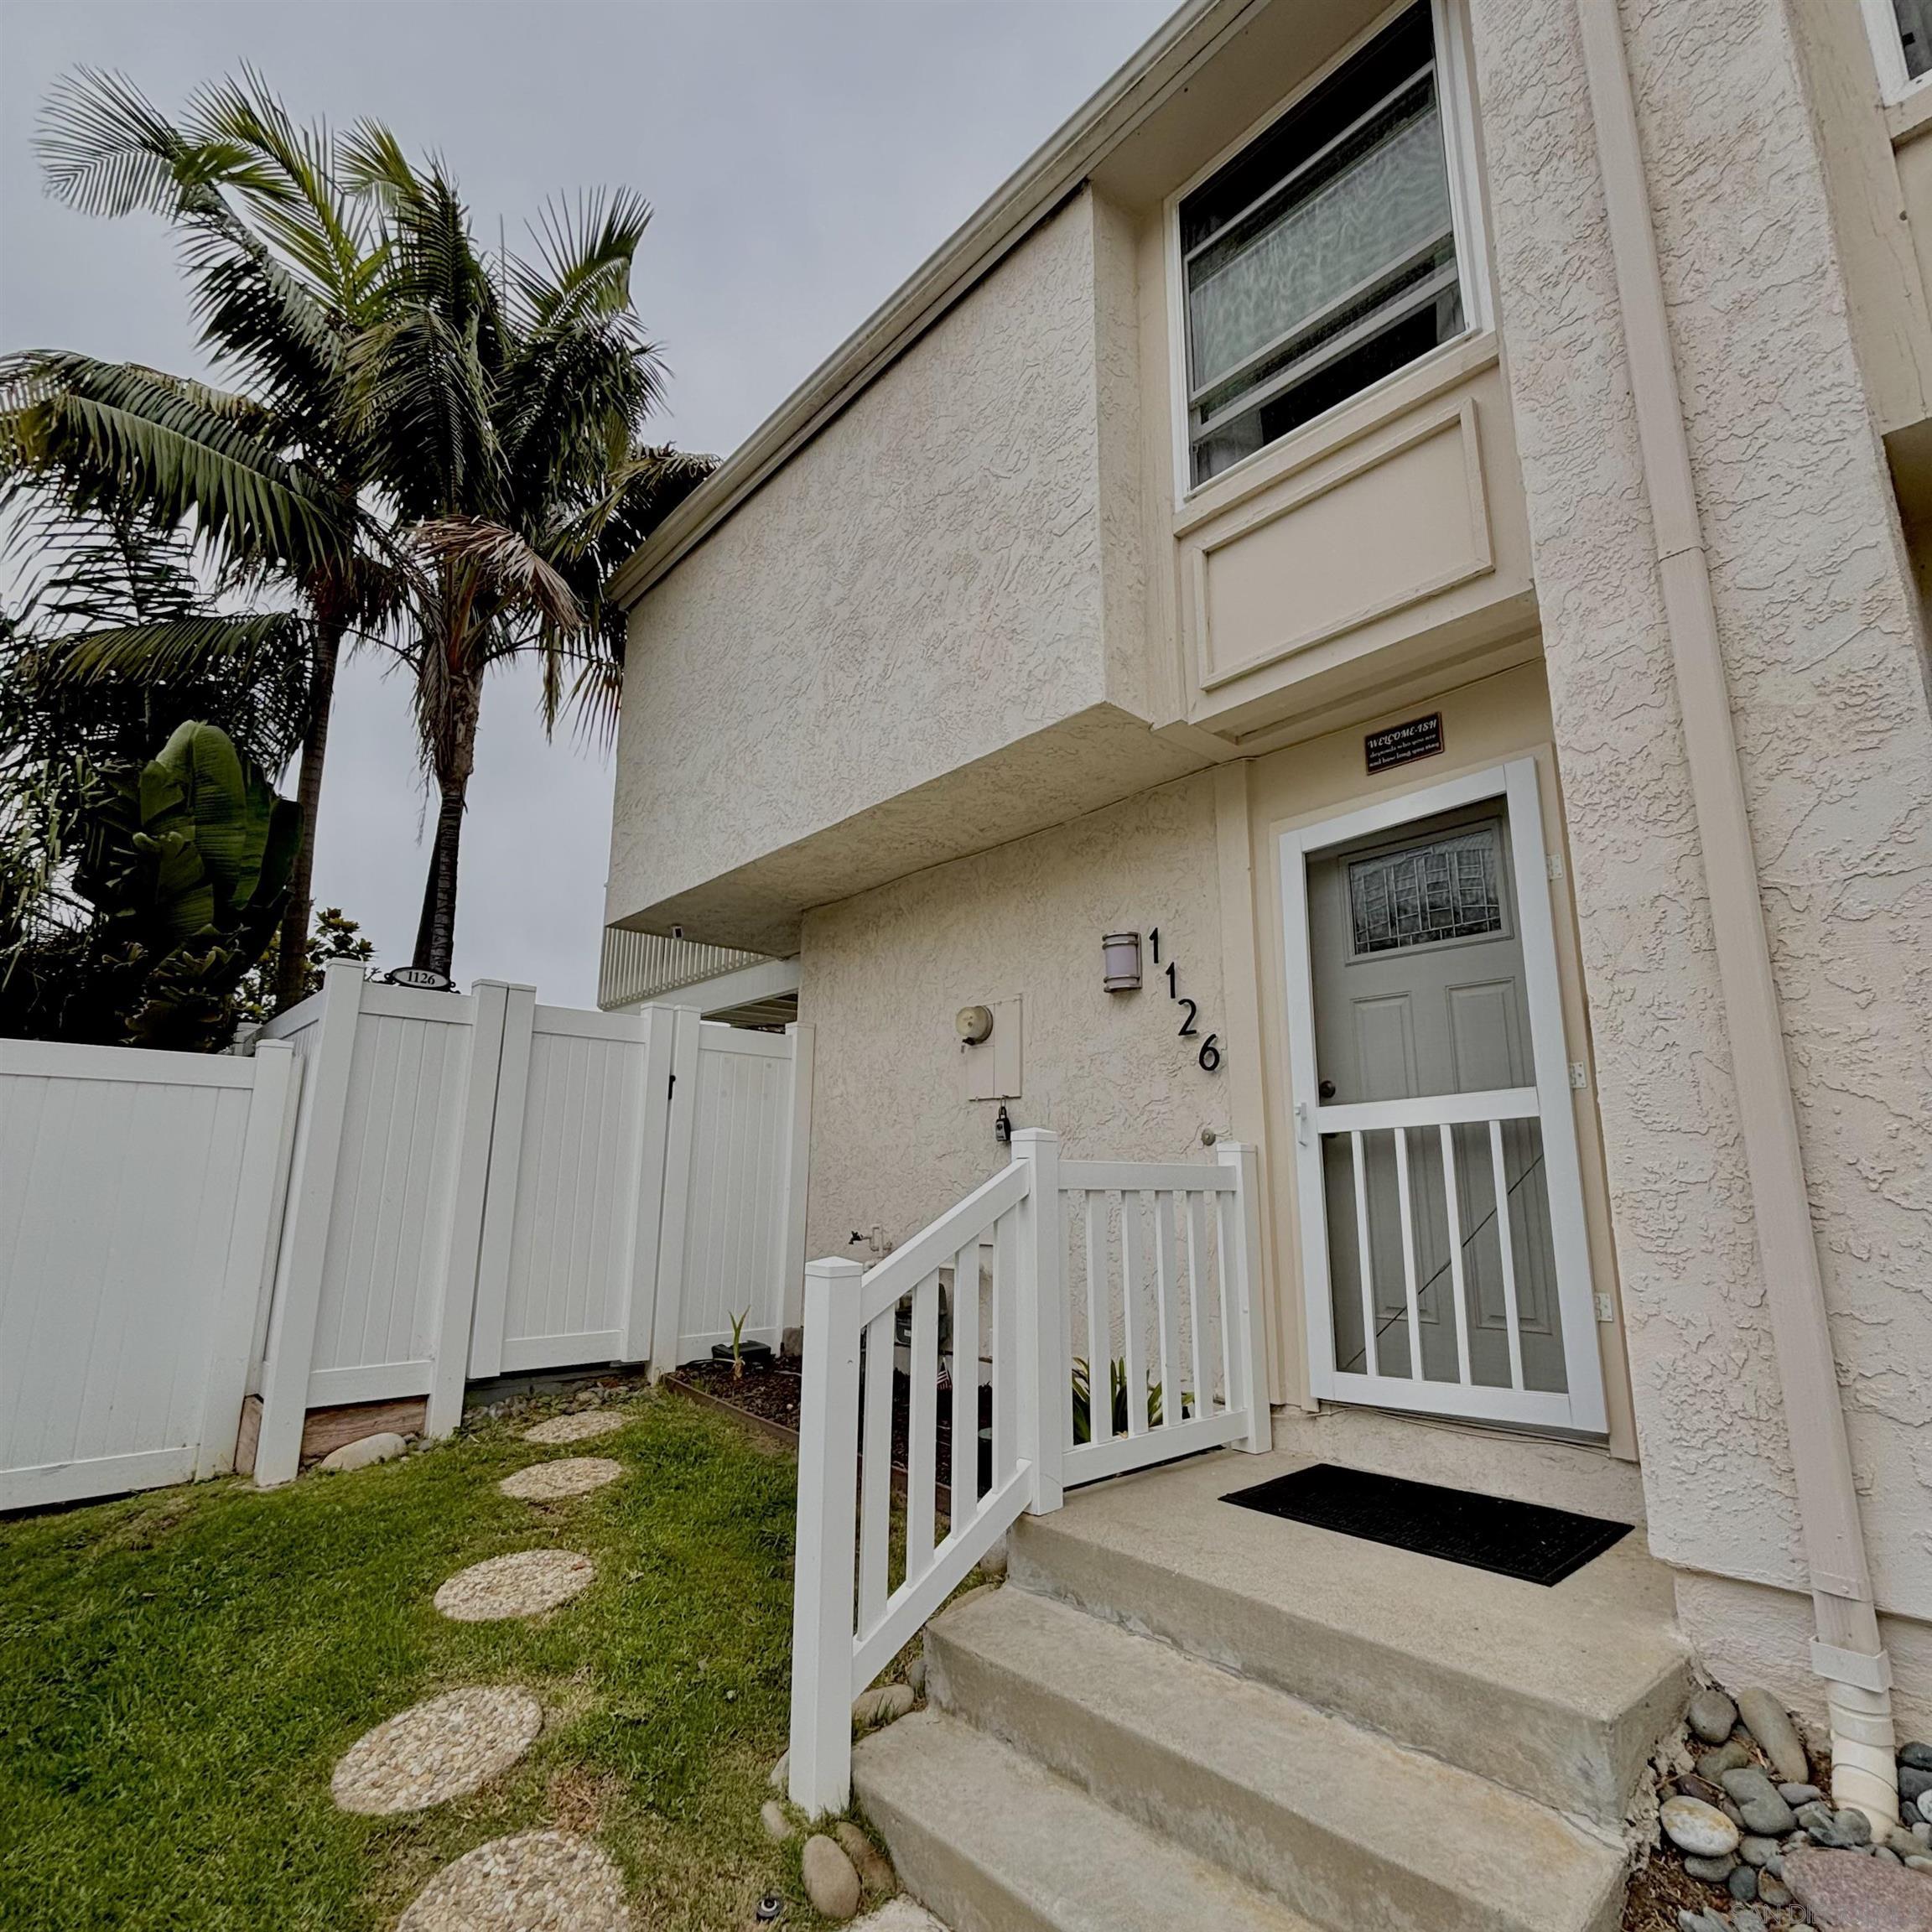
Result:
[
  {"x": 894, "y": 1140},
  {"x": 1819, "y": 632},
  {"x": 917, "y": 588}
]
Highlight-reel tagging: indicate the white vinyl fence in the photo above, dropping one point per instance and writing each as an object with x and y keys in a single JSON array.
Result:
[
  {"x": 402, "y": 1192},
  {"x": 140, "y": 1203}
]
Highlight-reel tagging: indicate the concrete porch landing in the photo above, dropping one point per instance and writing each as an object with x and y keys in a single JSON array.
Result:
[{"x": 1289, "y": 1728}]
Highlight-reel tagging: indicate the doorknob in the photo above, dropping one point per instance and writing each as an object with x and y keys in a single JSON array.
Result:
[{"x": 1327, "y": 1089}]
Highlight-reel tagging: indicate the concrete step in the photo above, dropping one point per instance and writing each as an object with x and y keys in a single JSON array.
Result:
[
  {"x": 1339, "y": 1824},
  {"x": 1559, "y": 1693},
  {"x": 993, "y": 1842}
]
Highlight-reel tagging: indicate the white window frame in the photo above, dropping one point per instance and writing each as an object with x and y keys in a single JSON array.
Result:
[
  {"x": 1896, "y": 82},
  {"x": 1455, "y": 96},
  {"x": 1581, "y": 1408}
]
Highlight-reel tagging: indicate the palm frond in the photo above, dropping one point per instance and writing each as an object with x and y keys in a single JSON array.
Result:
[
  {"x": 515, "y": 574},
  {"x": 585, "y": 256},
  {"x": 106, "y": 149},
  {"x": 114, "y": 435}
]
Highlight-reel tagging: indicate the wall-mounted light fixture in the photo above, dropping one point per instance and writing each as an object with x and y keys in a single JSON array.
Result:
[{"x": 1121, "y": 961}]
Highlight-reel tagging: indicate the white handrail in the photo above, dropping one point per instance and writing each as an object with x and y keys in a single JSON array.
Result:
[{"x": 850, "y": 1618}]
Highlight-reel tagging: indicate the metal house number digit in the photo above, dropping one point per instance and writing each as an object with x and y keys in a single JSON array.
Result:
[{"x": 1208, "y": 1059}]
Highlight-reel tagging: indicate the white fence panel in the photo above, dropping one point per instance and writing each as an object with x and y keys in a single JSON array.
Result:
[
  {"x": 587, "y": 1112},
  {"x": 733, "y": 1250},
  {"x": 389, "y": 1224},
  {"x": 138, "y": 1193}
]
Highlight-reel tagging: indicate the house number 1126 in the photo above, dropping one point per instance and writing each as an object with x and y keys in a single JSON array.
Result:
[{"x": 1209, "y": 1057}]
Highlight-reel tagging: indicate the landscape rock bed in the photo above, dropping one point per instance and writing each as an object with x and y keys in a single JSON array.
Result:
[{"x": 1747, "y": 1839}]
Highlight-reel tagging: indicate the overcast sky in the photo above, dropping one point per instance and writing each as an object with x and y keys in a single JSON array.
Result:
[{"x": 802, "y": 158}]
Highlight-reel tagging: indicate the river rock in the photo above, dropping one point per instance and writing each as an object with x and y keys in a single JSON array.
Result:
[
  {"x": 1915, "y": 1756},
  {"x": 881, "y": 1705},
  {"x": 1692, "y": 1786},
  {"x": 771, "y": 1816},
  {"x": 362, "y": 1451},
  {"x": 873, "y": 1868},
  {"x": 1712, "y": 1716},
  {"x": 782, "y": 1773},
  {"x": 831, "y": 1882},
  {"x": 1768, "y": 1720},
  {"x": 1698, "y": 1828},
  {"x": 1844, "y": 1892},
  {"x": 1731, "y": 1756},
  {"x": 1913, "y": 1783},
  {"x": 1712, "y": 1871},
  {"x": 1772, "y": 1890},
  {"x": 1758, "y": 1852},
  {"x": 1756, "y": 1797},
  {"x": 1743, "y": 1884},
  {"x": 1797, "y": 1795}
]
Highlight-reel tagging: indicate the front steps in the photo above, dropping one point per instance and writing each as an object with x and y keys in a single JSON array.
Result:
[{"x": 1181, "y": 1713}]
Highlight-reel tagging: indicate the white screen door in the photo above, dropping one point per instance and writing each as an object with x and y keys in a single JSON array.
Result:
[{"x": 1444, "y": 1259}]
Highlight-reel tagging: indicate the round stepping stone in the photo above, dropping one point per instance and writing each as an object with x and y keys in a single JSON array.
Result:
[
  {"x": 436, "y": 1751},
  {"x": 534, "y": 1882},
  {"x": 578, "y": 1427},
  {"x": 523, "y": 1584},
  {"x": 568, "y": 1476}
]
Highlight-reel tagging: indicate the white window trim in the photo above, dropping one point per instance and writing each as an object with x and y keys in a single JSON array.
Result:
[
  {"x": 1456, "y": 96},
  {"x": 1895, "y": 81}
]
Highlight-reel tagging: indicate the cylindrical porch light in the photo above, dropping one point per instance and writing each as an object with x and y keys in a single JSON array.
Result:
[{"x": 1121, "y": 961}]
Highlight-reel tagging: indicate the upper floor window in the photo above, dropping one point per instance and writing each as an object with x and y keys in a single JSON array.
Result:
[
  {"x": 1901, "y": 32},
  {"x": 1323, "y": 256}
]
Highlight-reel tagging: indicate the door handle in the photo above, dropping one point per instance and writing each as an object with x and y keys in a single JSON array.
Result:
[{"x": 1302, "y": 1123}]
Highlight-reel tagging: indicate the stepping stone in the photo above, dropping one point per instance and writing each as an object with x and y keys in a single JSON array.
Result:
[
  {"x": 569, "y": 1476},
  {"x": 534, "y": 1882},
  {"x": 523, "y": 1584},
  {"x": 436, "y": 1751},
  {"x": 578, "y": 1427}
]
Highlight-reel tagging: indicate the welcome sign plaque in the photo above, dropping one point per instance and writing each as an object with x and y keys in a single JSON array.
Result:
[{"x": 1401, "y": 744}]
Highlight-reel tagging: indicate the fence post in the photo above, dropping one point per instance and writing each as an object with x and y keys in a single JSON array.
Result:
[
  {"x": 305, "y": 1229},
  {"x": 820, "y": 1778},
  {"x": 668, "y": 1321},
  {"x": 1046, "y": 1394},
  {"x": 236, "y": 1312},
  {"x": 483, "y": 1342},
  {"x": 463, "y": 1245},
  {"x": 797, "y": 1179},
  {"x": 1249, "y": 1321},
  {"x": 647, "y": 1220}
]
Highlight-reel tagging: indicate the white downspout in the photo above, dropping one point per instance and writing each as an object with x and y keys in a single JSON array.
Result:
[{"x": 1846, "y": 1652}]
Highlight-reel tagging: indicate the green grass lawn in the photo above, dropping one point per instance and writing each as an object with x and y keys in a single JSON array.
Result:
[{"x": 180, "y": 1671}]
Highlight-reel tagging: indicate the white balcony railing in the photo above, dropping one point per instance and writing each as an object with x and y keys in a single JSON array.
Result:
[{"x": 995, "y": 1317}]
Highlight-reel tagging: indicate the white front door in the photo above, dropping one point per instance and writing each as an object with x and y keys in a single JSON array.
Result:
[{"x": 1444, "y": 1259}]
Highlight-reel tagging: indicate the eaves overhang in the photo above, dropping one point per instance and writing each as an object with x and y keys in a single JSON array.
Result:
[{"x": 1160, "y": 70}]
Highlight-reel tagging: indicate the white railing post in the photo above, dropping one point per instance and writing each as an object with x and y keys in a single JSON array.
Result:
[
  {"x": 1249, "y": 1324},
  {"x": 1045, "y": 1393},
  {"x": 820, "y": 1776}
]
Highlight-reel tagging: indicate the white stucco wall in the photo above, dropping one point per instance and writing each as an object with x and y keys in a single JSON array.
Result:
[
  {"x": 894, "y": 1140},
  {"x": 1819, "y": 634},
  {"x": 918, "y": 587}
]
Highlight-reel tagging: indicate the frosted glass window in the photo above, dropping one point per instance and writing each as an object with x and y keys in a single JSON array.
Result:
[
  {"x": 1322, "y": 256},
  {"x": 1449, "y": 889}
]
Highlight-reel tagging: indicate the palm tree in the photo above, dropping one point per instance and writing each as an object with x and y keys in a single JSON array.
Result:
[
  {"x": 508, "y": 406},
  {"x": 288, "y": 270}
]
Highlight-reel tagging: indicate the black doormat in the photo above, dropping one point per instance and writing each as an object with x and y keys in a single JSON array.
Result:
[{"x": 1525, "y": 1539}]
